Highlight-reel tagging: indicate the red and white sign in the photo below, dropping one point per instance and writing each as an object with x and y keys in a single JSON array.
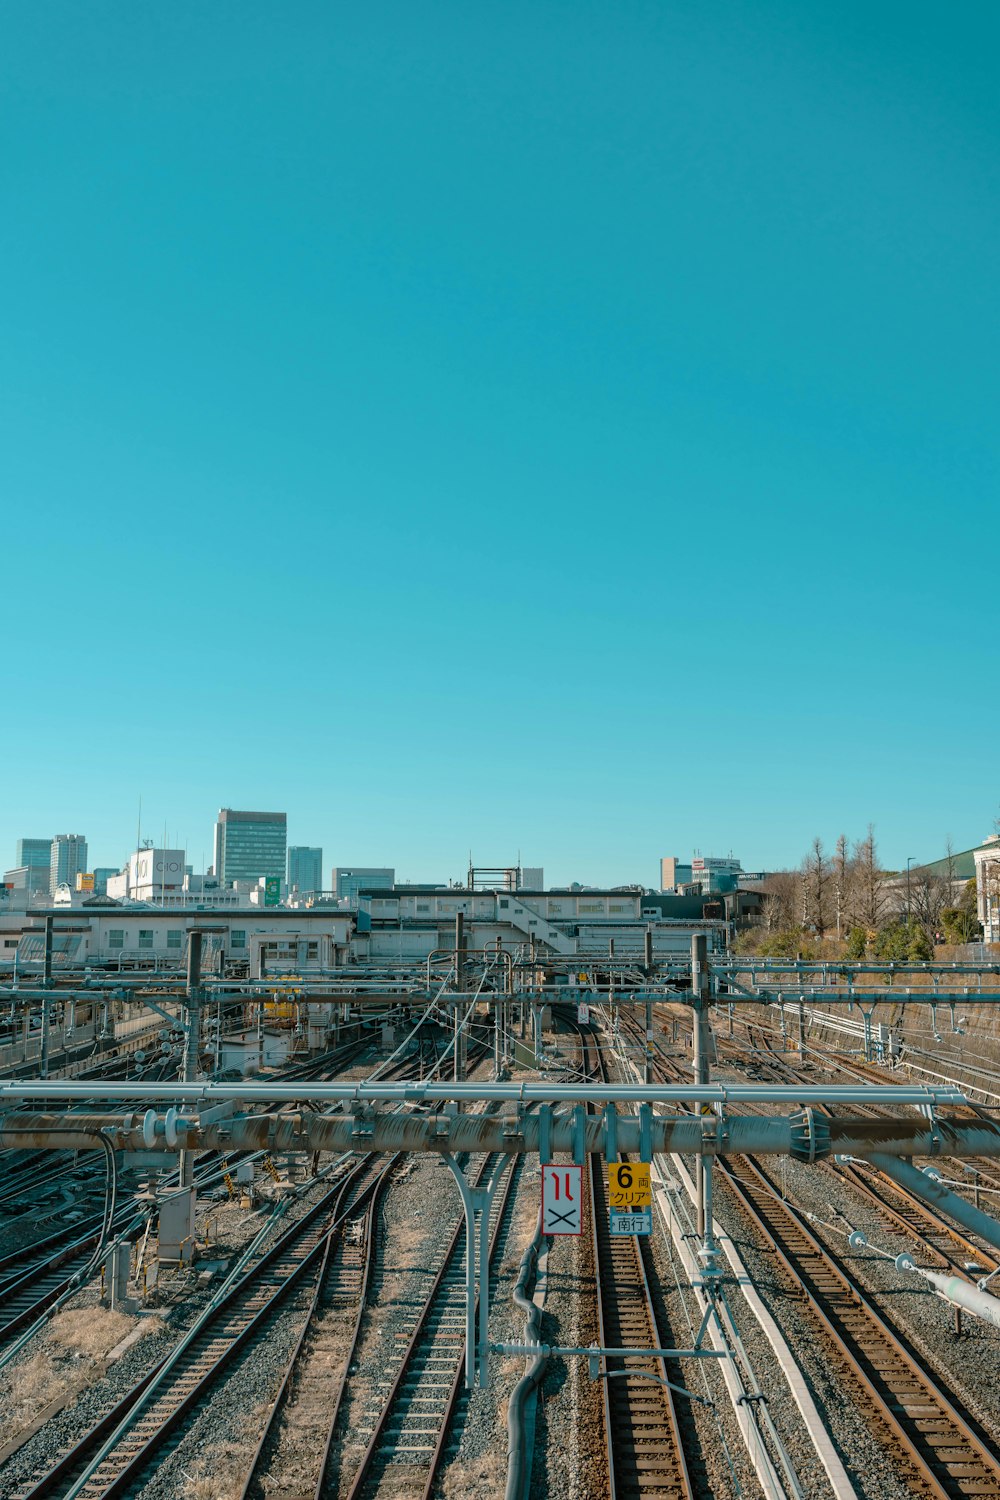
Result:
[{"x": 562, "y": 1199}]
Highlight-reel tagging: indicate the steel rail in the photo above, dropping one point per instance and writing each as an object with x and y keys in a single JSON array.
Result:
[
  {"x": 365, "y": 1205},
  {"x": 143, "y": 1420},
  {"x": 946, "y": 1455},
  {"x": 375, "y": 1456},
  {"x": 916, "y": 1218},
  {"x": 643, "y": 1434}
]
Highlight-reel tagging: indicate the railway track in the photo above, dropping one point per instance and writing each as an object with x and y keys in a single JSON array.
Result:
[
  {"x": 412, "y": 1420},
  {"x": 110, "y": 1457},
  {"x": 939, "y": 1447},
  {"x": 293, "y": 1455},
  {"x": 652, "y": 1451},
  {"x": 645, "y": 1440},
  {"x": 36, "y": 1276},
  {"x": 947, "y": 1246}
]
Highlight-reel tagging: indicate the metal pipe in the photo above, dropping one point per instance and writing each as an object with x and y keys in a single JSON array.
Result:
[
  {"x": 932, "y": 1190},
  {"x": 959, "y": 1292},
  {"x": 536, "y": 1093},
  {"x": 406, "y": 1131}
]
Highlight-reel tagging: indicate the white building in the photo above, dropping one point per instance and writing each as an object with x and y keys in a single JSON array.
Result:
[
  {"x": 987, "y": 858},
  {"x": 103, "y": 936},
  {"x": 155, "y": 875},
  {"x": 68, "y": 858}
]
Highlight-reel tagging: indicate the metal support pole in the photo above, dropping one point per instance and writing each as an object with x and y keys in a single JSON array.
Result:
[
  {"x": 458, "y": 1061},
  {"x": 647, "y": 1072},
  {"x": 47, "y": 953},
  {"x": 802, "y": 1032},
  {"x": 476, "y": 1201},
  {"x": 702, "y": 1069},
  {"x": 192, "y": 1037},
  {"x": 46, "y": 982},
  {"x": 498, "y": 1018}
]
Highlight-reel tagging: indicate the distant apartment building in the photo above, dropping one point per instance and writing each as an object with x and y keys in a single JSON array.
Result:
[
  {"x": 673, "y": 874},
  {"x": 250, "y": 845},
  {"x": 67, "y": 859},
  {"x": 347, "y": 883},
  {"x": 305, "y": 868}
]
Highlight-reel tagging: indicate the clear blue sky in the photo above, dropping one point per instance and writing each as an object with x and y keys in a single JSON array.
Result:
[{"x": 557, "y": 427}]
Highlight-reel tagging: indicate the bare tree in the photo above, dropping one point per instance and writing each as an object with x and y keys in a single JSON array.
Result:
[
  {"x": 930, "y": 893},
  {"x": 869, "y": 902},
  {"x": 841, "y": 882},
  {"x": 780, "y": 900},
  {"x": 816, "y": 888}
]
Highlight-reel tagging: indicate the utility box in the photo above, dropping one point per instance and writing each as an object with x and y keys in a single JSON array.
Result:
[
  {"x": 116, "y": 1274},
  {"x": 176, "y": 1237}
]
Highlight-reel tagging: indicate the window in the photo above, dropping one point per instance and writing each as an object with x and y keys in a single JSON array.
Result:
[
  {"x": 423, "y": 906},
  {"x": 116, "y": 937},
  {"x": 173, "y": 939},
  {"x": 10, "y": 942},
  {"x": 238, "y": 938},
  {"x": 504, "y": 904},
  {"x": 312, "y": 950},
  {"x": 145, "y": 937}
]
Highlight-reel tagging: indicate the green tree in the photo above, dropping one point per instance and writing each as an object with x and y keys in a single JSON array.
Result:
[
  {"x": 892, "y": 943},
  {"x": 921, "y": 950},
  {"x": 857, "y": 943},
  {"x": 961, "y": 922}
]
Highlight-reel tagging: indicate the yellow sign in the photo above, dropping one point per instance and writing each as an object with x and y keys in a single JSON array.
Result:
[
  {"x": 84, "y": 882},
  {"x": 628, "y": 1185}
]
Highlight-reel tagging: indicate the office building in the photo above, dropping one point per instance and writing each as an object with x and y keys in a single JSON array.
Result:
[
  {"x": 102, "y": 874},
  {"x": 712, "y": 874},
  {"x": 305, "y": 869},
  {"x": 347, "y": 883},
  {"x": 67, "y": 859},
  {"x": 34, "y": 852},
  {"x": 32, "y": 879},
  {"x": 250, "y": 845}
]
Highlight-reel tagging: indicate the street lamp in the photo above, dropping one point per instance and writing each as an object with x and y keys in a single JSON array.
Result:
[{"x": 909, "y": 860}]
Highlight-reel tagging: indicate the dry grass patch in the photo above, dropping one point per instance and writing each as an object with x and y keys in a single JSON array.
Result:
[
  {"x": 26, "y": 1391},
  {"x": 218, "y": 1478},
  {"x": 90, "y": 1331},
  {"x": 485, "y": 1475}
]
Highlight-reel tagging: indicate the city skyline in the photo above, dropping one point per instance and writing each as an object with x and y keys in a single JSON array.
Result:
[{"x": 441, "y": 869}]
